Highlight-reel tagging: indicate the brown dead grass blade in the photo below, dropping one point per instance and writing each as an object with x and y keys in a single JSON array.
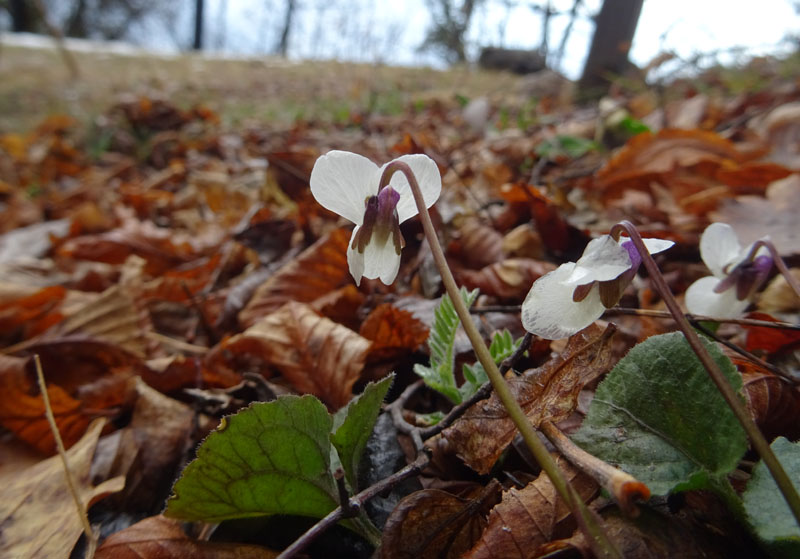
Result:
[{"x": 37, "y": 512}]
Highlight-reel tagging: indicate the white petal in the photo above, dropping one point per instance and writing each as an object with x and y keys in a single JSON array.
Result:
[
  {"x": 701, "y": 299},
  {"x": 549, "y": 311},
  {"x": 603, "y": 259},
  {"x": 377, "y": 261},
  {"x": 341, "y": 181},
  {"x": 355, "y": 260},
  {"x": 719, "y": 246},
  {"x": 655, "y": 246},
  {"x": 428, "y": 178}
]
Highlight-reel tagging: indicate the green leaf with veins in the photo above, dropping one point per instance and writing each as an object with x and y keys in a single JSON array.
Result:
[
  {"x": 270, "y": 458},
  {"x": 353, "y": 425},
  {"x": 659, "y": 417}
]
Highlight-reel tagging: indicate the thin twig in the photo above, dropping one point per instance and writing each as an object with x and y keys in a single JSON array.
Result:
[
  {"x": 599, "y": 541},
  {"x": 728, "y": 393},
  {"x": 91, "y": 540},
  {"x": 356, "y": 501},
  {"x": 744, "y": 353},
  {"x": 699, "y": 317}
]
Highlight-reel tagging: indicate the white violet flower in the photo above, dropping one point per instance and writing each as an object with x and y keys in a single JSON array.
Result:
[
  {"x": 574, "y": 295},
  {"x": 736, "y": 274},
  {"x": 347, "y": 184}
]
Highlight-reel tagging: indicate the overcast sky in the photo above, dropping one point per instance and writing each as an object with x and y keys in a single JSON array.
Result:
[{"x": 390, "y": 31}]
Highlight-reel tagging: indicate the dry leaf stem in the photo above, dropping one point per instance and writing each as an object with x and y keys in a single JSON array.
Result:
[
  {"x": 91, "y": 541},
  {"x": 600, "y": 544},
  {"x": 728, "y": 393}
]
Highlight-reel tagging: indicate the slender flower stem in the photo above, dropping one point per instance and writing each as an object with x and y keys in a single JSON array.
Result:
[
  {"x": 728, "y": 393},
  {"x": 598, "y": 539}
]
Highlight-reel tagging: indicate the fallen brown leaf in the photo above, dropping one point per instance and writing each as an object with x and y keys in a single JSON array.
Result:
[
  {"x": 549, "y": 392},
  {"x": 509, "y": 279},
  {"x": 392, "y": 331},
  {"x": 436, "y": 524},
  {"x": 317, "y": 355},
  {"x": 316, "y": 271},
  {"x": 158, "y": 537},
  {"x": 532, "y": 516},
  {"x": 38, "y": 518}
]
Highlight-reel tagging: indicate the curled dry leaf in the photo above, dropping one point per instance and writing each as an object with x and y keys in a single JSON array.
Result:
[
  {"x": 393, "y": 332},
  {"x": 29, "y": 313},
  {"x": 479, "y": 244},
  {"x": 532, "y": 516},
  {"x": 436, "y": 524},
  {"x": 154, "y": 443},
  {"x": 317, "y": 355},
  {"x": 158, "y": 537},
  {"x": 37, "y": 511},
  {"x": 549, "y": 392},
  {"x": 773, "y": 403},
  {"x": 509, "y": 279},
  {"x": 698, "y": 154},
  {"x": 770, "y": 340},
  {"x": 22, "y": 408},
  {"x": 319, "y": 269}
]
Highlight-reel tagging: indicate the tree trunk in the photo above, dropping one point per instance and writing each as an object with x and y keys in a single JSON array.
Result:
[
  {"x": 613, "y": 35},
  {"x": 21, "y": 20},
  {"x": 283, "y": 43},
  {"x": 198, "y": 25}
]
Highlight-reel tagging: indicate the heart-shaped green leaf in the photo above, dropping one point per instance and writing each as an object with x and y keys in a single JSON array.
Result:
[
  {"x": 270, "y": 458},
  {"x": 659, "y": 417}
]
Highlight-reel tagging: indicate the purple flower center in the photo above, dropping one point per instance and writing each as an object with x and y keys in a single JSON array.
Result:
[
  {"x": 747, "y": 277},
  {"x": 380, "y": 221}
]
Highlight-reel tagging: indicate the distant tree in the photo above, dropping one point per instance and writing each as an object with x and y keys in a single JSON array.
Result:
[
  {"x": 450, "y": 24},
  {"x": 198, "y": 25},
  {"x": 613, "y": 35},
  {"x": 22, "y": 16},
  {"x": 283, "y": 42}
]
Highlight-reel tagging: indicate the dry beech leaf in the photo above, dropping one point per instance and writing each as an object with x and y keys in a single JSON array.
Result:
[
  {"x": 779, "y": 295},
  {"x": 773, "y": 403},
  {"x": 317, "y": 355},
  {"x": 316, "y": 271},
  {"x": 479, "y": 244},
  {"x": 113, "y": 317},
  {"x": 37, "y": 512},
  {"x": 529, "y": 517},
  {"x": 393, "y": 332},
  {"x": 341, "y": 305},
  {"x": 549, "y": 392},
  {"x": 509, "y": 279},
  {"x": 22, "y": 408},
  {"x": 154, "y": 444},
  {"x": 647, "y": 155},
  {"x": 158, "y": 537},
  {"x": 436, "y": 524},
  {"x": 32, "y": 313}
]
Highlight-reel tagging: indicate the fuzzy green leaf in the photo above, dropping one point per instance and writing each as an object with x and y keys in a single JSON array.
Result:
[
  {"x": 660, "y": 418},
  {"x": 270, "y": 458},
  {"x": 765, "y": 506},
  {"x": 439, "y": 375},
  {"x": 353, "y": 426}
]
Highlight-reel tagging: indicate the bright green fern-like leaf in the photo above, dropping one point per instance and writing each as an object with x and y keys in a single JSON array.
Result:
[
  {"x": 439, "y": 375},
  {"x": 501, "y": 348}
]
